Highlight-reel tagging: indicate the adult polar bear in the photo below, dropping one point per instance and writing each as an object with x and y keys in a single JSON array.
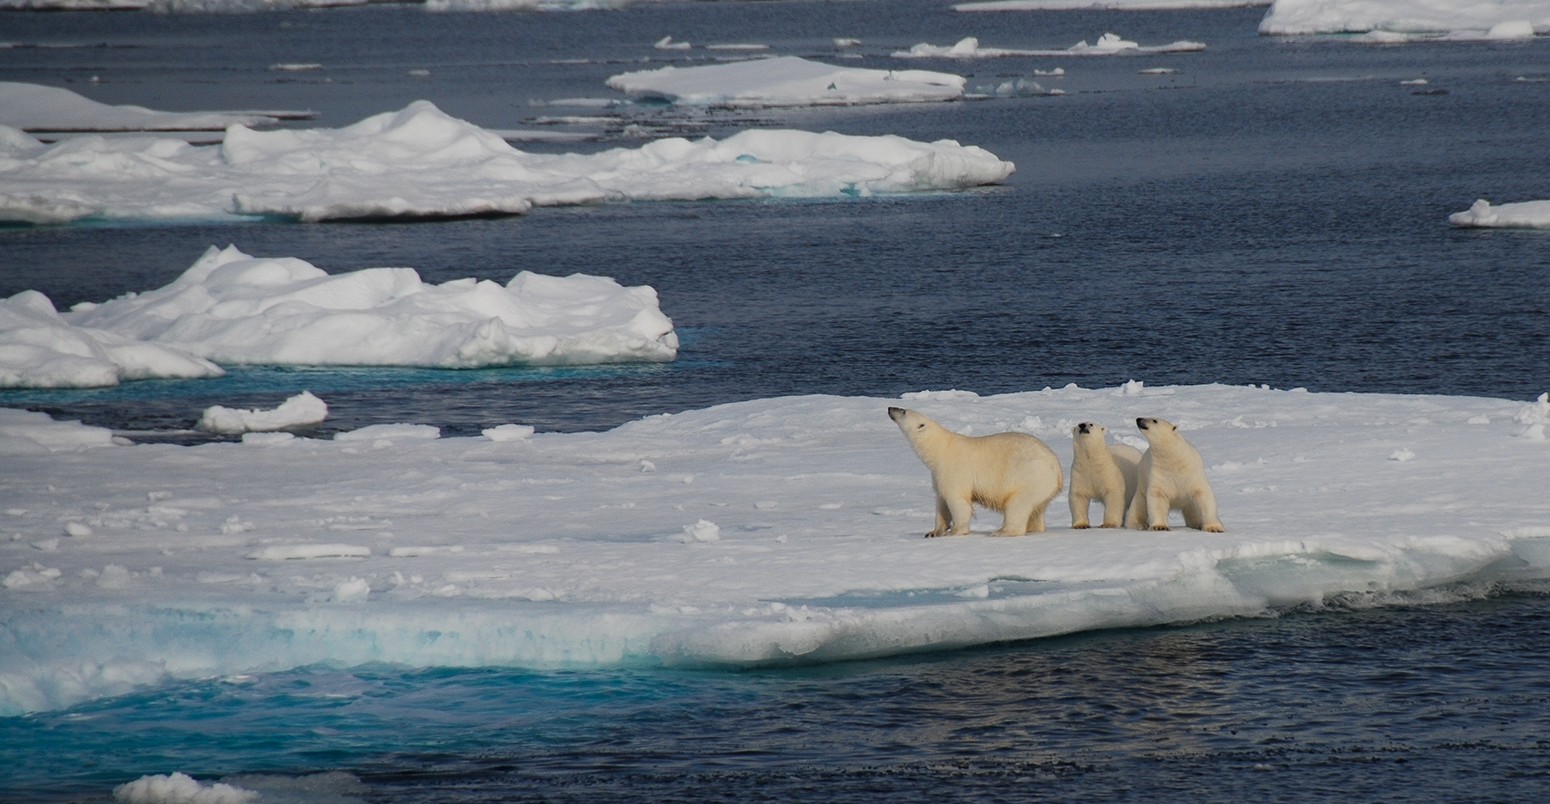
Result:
[
  {"x": 1100, "y": 471},
  {"x": 1013, "y": 473},
  {"x": 1171, "y": 475}
]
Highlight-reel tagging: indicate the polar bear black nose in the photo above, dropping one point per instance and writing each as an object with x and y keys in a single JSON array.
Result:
[
  {"x": 1082, "y": 428},
  {"x": 895, "y": 413},
  {"x": 1141, "y": 423}
]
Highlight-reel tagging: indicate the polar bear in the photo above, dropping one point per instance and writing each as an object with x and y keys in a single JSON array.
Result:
[
  {"x": 1013, "y": 473},
  {"x": 1171, "y": 476},
  {"x": 1100, "y": 471}
]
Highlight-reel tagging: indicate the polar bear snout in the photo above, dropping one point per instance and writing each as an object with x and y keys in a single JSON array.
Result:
[
  {"x": 896, "y": 413},
  {"x": 1084, "y": 427},
  {"x": 1142, "y": 423}
]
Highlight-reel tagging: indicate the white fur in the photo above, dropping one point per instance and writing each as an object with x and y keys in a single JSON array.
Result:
[
  {"x": 1100, "y": 471},
  {"x": 1013, "y": 473},
  {"x": 1171, "y": 475}
]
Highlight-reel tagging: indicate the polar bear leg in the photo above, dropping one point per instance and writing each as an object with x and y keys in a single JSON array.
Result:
[
  {"x": 1036, "y": 519},
  {"x": 1019, "y": 510},
  {"x": 1079, "y": 506},
  {"x": 943, "y": 516},
  {"x": 1135, "y": 510},
  {"x": 1202, "y": 509},
  {"x": 960, "y": 509},
  {"x": 1114, "y": 509},
  {"x": 1157, "y": 505}
]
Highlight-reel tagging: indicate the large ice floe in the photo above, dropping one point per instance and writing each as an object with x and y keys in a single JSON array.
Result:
[
  {"x": 772, "y": 531},
  {"x": 1517, "y": 215},
  {"x": 1107, "y": 45},
  {"x": 420, "y": 163},
  {"x": 231, "y": 308},
  {"x": 1396, "y": 20},
  {"x": 787, "y": 81}
]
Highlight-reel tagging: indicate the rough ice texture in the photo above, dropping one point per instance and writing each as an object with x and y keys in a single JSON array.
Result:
[
  {"x": 772, "y": 531},
  {"x": 787, "y": 81},
  {"x": 420, "y": 163},
  {"x": 1467, "y": 17}
]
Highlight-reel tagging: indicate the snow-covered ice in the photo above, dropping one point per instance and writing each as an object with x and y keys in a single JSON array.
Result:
[
  {"x": 770, "y": 531},
  {"x": 1107, "y": 45},
  {"x": 787, "y": 81},
  {"x": 1455, "y": 18},
  {"x": 420, "y": 163},
  {"x": 1519, "y": 215},
  {"x": 234, "y": 309},
  {"x": 34, "y": 107}
]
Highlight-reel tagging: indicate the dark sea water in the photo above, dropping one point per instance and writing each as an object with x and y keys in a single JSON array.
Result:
[{"x": 1272, "y": 212}]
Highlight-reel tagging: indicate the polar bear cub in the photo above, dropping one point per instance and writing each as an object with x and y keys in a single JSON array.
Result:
[
  {"x": 1100, "y": 471},
  {"x": 1171, "y": 476},
  {"x": 1013, "y": 473}
]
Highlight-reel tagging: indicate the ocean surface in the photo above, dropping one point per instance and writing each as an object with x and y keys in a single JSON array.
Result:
[{"x": 1272, "y": 211}]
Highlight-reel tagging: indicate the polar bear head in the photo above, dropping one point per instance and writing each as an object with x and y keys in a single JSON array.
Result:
[
  {"x": 1155, "y": 429},
  {"x": 1088, "y": 429},
  {"x": 917, "y": 427}
]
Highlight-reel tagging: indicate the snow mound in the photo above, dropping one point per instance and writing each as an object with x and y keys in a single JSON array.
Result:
[
  {"x": 420, "y": 163},
  {"x": 787, "y": 81}
]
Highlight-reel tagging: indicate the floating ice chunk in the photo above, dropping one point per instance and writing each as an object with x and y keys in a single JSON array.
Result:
[
  {"x": 379, "y": 432},
  {"x": 1109, "y": 44},
  {"x": 1520, "y": 215},
  {"x": 420, "y": 163},
  {"x": 668, "y": 43},
  {"x": 180, "y": 788},
  {"x": 354, "y": 590},
  {"x": 235, "y": 309},
  {"x": 302, "y": 410},
  {"x": 787, "y": 81}
]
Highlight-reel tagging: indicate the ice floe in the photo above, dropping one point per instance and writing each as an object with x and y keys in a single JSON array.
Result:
[
  {"x": 1519, "y": 215},
  {"x": 1495, "y": 19},
  {"x": 1107, "y": 45},
  {"x": 786, "y": 81},
  {"x": 771, "y": 531},
  {"x": 420, "y": 163}
]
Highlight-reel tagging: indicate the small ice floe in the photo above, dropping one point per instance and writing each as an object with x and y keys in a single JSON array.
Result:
[
  {"x": 1107, "y": 45},
  {"x": 701, "y": 531},
  {"x": 302, "y": 410},
  {"x": 786, "y": 81},
  {"x": 1520, "y": 215}
]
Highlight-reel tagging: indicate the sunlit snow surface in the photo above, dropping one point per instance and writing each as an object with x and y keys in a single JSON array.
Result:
[
  {"x": 772, "y": 531},
  {"x": 420, "y": 163}
]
